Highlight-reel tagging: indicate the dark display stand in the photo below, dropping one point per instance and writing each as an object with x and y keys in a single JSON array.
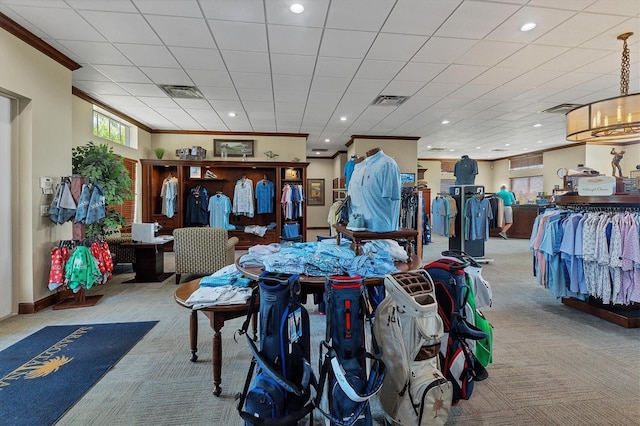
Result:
[{"x": 461, "y": 193}]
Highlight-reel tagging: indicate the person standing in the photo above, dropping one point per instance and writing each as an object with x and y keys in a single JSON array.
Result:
[{"x": 508, "y": 199}]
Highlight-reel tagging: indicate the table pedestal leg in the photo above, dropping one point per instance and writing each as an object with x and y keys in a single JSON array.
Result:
[
  {"x": 193, "y": 335},
  {"x": 217, "y": 323}
]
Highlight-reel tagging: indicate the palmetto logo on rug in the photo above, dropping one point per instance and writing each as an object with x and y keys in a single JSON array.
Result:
[{"x": 46, "y": 362}]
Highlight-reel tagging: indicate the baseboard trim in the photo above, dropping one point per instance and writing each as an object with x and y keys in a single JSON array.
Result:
[{"x": 44, "y": 303}]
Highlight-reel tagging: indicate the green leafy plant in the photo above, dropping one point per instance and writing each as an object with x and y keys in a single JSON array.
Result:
[
  {"x": 159, "y": 153},
  {"x": 99, "y": 164}
]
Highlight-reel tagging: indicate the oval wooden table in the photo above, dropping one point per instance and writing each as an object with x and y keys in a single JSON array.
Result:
[{"x": 217, "y": 316}]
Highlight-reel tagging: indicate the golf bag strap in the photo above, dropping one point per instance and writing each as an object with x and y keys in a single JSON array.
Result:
[
  {"x": 241, "y": 397},
  {"x": 250, "y": 310},
  {"x": 275, "y": 375}
]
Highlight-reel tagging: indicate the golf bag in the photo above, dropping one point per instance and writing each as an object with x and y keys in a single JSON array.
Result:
[
  {"x": 459, "y": 362},
  {"x": 351, "y": 369},
  {"x": 280, "y": 393},
  {"x": 409, "y": 330},
  {"x": 480, "y": 296}
]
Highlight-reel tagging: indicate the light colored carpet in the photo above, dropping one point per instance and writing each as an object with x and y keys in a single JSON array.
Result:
[{"x": 553, "y": 365}]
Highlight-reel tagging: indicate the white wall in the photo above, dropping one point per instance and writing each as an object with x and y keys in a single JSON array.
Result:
[
  {"x": 321, "y": 169},
  {"x": 7, "y": 302},
  {"x": 43, "y": 147}
]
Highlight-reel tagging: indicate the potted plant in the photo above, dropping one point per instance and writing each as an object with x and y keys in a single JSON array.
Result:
[
  {"x": 100, "y": 165},
  {"x": 159, "y": 153}
]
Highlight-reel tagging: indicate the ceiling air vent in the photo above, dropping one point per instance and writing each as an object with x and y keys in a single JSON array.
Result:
[
  {"x": 436, "y": 149},
  {"x": 181, "y": 92},
  {"x": 389, "y": 100},
  {"x": 499, "y": 150},
  {"x": 562, "y": 108},
  {"x": 319, "y": 150}
]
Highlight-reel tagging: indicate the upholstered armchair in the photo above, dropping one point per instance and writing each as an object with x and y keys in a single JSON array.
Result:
[{"x": 202, "y": 251}]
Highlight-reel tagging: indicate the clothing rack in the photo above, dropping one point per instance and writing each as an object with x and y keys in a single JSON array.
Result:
[
  {"x": 80, "y": 299},
  {"x": 624, "y": 315}
]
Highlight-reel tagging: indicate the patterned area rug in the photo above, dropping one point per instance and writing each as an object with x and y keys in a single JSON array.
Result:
[{"x": 43, "y": 375}]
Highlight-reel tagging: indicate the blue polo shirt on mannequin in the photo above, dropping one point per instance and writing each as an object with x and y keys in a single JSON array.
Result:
[{"x": 375, "y": 192}]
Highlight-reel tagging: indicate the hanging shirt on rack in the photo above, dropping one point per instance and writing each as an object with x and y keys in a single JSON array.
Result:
[
  {"x": 169, "y": 194},
  {"x": 197, "y": 207},
  {"x": 477, "y": 216},
  {"x": 243, "y": 197},
  {"x": 265, "y": 191},
  {"x": 219, "y": 210}
]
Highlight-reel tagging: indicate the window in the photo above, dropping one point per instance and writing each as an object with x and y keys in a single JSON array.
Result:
[
  {"x": 111, "y": 129},
  {"x": 128, "y": 209},
  {"x": 526, "y": 188},
  {"x": 447, "y": 166},
  {"x": 530, "y": 161},
  {"x": 445, "y": 184}
]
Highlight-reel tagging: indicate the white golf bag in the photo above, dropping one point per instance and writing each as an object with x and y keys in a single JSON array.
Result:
[{"x": 409, "y": 331}]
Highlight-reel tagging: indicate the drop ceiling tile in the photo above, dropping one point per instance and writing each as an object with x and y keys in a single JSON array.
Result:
[
  {"x": 532, "y": 56},
  {"x": 113, "y": 6},
  {"x": 140, "y": 89},
  {"x": 402, "y": 88},
  {"x": 498, "y": 76},
  {"x": 534, "y": 78},
  {"x": 291, "y": 82},
  {"x": 233, "y": 10},
  {"x": 323, "y": 98},
  {"x": 419, "y": 71},
  {"x": 250, "y": 80},
  {"x": 210, "y": 78},
  {"x": 336, "y": 67},
  {"x": 175, "y": 76},
  {"x": 88, "y": 73},
  {"x": 488, "y": 53},
  {"x": 123, "y": 74},
  {"x": 103, "y": 88},
  {"x": 371, "y": 15},
  {"x": 96, "y": 52},
  {"x": 194, "y": 58},
  {"x": 459, "y": 74},
  {"x": 226, "y": 106},
  {"x": 293, "y": 40},
  {"x": 185, "y": 8},
  {"x": 158, "y": 102},
  {"x": 329, "y": 84},
  {"x": 118, "y": 101},
  {"x": 379, "y": 70},
  {"x": 546, "y": 19},
  {"x": 59, "y": 23},
  {"x": 346, "y": 44},
  {"x": 579, "y": 28},
  {"x": 246, "y": 36},
  {"x": 314, "y": 14},
  {"x": 257, "y": 62},
  {"x": 179, "y": 31},
  {"x": 395, "y": 47},
  {"x": 438, "y": 89},
  {"x": 292, "y": 64},
  {"x": 219, "y": 93},
  {"x": 285, "y": 107},
  {"x": 290, "y": 96},
  {"x": 475, "y": 20},
  {"x": 420, "y": 17},
  {"x": 148, "y": 56},
  {"x": 263, "y": 95},
  {"x": 443, "y": 50},
  {"x": 194, "y": 104},
  {"x": 366, "y": 86},
  {"x": 121, "y": 27}
]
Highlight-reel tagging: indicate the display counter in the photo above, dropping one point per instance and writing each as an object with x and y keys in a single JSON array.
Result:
[{"x": 523, "y": 217}]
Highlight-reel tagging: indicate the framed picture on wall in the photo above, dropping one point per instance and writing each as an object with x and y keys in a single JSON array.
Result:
[
  {"x": 233, "y": 147},
  {"x": 315, "y": 192}
]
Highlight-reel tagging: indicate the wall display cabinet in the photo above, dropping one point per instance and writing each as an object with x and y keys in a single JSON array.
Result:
[{"x": 221, "y": 178}]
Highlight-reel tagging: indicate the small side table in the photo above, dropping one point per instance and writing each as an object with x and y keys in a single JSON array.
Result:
[
  {"x": 149, "y": 266},
  {"x": 358, "y": 236},
  {"x": 217, "y": 316}
]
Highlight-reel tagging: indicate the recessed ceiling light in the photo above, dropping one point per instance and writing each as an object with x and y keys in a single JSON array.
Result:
[
  {"x": 528, "y": 26},
  {"x": 507, "y": 144},
  {"x": 232, "y": 114},
  {"x": 327, "y": 140},
  {"x": 343, "y": 118},
  {"x": 445, "y": 121},
  {"x": 428, "y": 146},
  {"x": 451, "y": 150},
  {"x": 478, "y": 147},
  {"x": 537, "y": 125},
  {"x": 296, "y": 8},
  {"x": 539, "y": 141},
  {"x": 317, "y": 152},
  {"x": 525, "y": 148}
]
